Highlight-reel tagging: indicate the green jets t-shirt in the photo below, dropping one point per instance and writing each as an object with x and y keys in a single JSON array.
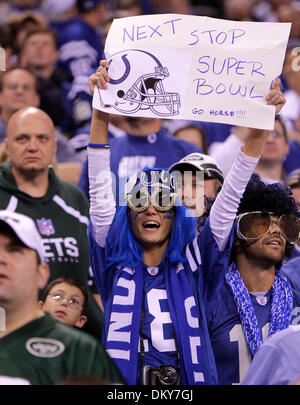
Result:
[
  {"x": 62, "y": 217},
  {"x": 45, "y": 351}
]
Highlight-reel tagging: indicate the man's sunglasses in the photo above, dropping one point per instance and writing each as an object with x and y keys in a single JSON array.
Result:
[{"x": 254, "y": 225}]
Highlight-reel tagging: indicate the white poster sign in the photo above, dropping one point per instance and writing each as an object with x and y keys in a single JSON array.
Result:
[{"x": 195, "y": 68}]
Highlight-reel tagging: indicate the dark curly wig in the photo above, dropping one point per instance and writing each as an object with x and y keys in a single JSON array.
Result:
[{"x": 259, "y": 196}]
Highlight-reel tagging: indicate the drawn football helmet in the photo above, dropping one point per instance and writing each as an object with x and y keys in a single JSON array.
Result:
[{"x": 134, "y": 90}]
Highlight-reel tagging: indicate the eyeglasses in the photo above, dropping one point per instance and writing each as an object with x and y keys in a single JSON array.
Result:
[
  {"x": 254, "y": 225},
  {"x": 277, "y": 134},
  {"x": 162, "y": 200},
  {"x": 72, "y": 302},
  {"x": 25, "y": 87}
]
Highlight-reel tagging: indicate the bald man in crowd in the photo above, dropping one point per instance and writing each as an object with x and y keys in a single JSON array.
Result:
[
  {"x": 60, "y": 210},
  {"x": 30, "y": 146}
]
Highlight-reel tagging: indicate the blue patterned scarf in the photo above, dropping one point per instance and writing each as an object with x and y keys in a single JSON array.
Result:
[
  {"x": 123, "y": 317},
  {"x": 281, "y": 310}
]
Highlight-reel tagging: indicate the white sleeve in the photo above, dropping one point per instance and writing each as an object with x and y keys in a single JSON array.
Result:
[
  {"x": 102, "y": 202},
  {"x": 225, "y": 152},
  {"x": 223, "y": 210}
]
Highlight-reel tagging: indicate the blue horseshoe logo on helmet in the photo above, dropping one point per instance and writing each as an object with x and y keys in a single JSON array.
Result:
[
  {"x": 127, "y": 66},
  {"x": 126, "y": 73}
]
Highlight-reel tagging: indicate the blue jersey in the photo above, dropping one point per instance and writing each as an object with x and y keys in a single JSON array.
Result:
[
  {"x": 295, "y": 252},
  {"x": 204, "y": 267},
  {"x": 292, "y": 161},
  {"x": 232, "y": 354},
  {"x": 214, "y": 131},
  {"x": 155, "y": 304},
  {"x": 132, "y": 153},
  {"x": 80, "y": 51},
  {"x": 80, "y": 47}
]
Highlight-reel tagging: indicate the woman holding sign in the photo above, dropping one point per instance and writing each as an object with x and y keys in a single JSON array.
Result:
[{"x": 153, "y": 276}]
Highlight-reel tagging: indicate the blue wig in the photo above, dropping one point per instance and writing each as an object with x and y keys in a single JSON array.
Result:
[{"x": 124, "y": 250}]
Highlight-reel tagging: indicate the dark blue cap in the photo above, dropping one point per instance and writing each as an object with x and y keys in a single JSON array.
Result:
[{"x": 87, "y": 5}]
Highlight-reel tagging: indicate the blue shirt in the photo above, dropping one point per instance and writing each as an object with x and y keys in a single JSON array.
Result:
[
  {"x": 292, "y": 270},
  {"x": 80, "y": 51},
  {"x": 214, "y": 131},
  {"x": 292, "y": 161},
  {"x": 77, "y": 40}
]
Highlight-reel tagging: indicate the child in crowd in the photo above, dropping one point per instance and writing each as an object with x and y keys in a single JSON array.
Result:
[{"x": 65, "y": 298}]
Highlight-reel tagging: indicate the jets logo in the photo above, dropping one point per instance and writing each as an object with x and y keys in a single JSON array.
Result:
[{"x": 44, "y": 347}]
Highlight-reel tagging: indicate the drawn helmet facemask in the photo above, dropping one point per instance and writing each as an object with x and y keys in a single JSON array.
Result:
[{"x": 136, "y": 90}]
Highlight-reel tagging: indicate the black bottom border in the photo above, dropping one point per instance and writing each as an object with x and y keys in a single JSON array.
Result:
[{"x": 145, "y": 394}]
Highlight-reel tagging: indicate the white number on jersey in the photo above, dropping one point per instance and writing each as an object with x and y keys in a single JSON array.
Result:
[
  {"x": 157, "y": 334},
  {"x": 237, "y": 335}
]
